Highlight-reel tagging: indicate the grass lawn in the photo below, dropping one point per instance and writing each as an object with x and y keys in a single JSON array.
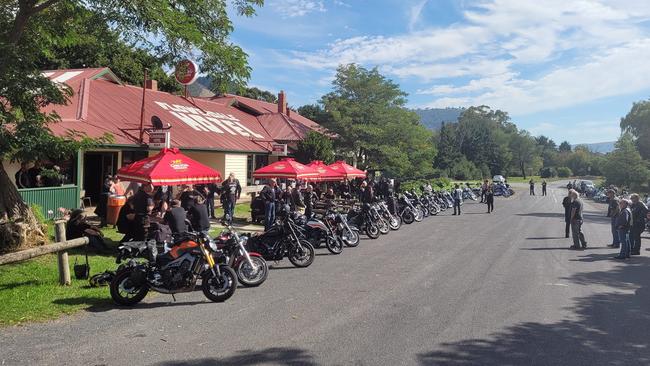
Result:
[{"x": 30, "y": 291}]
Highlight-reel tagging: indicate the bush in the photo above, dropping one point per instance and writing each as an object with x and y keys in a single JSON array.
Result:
[
  {"x": 548, "y": 172},
  {"x": 466, "y": 170},
  {"x": 564, "y": 172}
]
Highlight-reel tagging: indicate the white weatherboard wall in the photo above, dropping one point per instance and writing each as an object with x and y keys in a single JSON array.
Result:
[
  {"x": 214, "y": 160},
  {"x": 236, "y": 163}
]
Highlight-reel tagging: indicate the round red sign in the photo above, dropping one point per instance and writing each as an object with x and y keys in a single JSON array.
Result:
[{"x": 186, "y": 72}]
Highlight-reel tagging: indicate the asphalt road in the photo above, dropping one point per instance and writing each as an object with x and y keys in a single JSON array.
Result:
[{"x": 479, "y": 289}]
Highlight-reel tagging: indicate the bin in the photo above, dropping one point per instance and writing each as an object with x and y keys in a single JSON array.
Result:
[{"x": 115, "y": 204}]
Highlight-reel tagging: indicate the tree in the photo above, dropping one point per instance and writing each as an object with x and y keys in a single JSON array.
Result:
[
  {"x": 259, "y": 94},
  {"x": 637, "y": 122},
  {"x": 367, "y": 112},
  {"x": 315, "y": 146},
  {"x": 624, "y": 166},
  {"x": 565, "y": 146},
  {"x": 448, "y": 153},
  {"x": 524, "y": 151},
  {"x": 548, "y": 149},
  {"x": 31, "y": 30}
]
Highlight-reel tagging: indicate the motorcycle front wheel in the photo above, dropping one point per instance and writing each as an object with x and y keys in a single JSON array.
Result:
[
  {"x": 251, "y": 277},
  {"x": 302, "y": 257},
  {"x": 408, "y": 217},
  {"x": 124, "y": 291},
  {"x": 383, "y": 226},
  {"x": 334, "y": 244},
  {"x": 419, "y": 215},
  {"x": 350, "y": 237},
  {"x": 372, "y": 231},
  {"x": 220, "y": 288},
  {"x": 395, "y": 222}
]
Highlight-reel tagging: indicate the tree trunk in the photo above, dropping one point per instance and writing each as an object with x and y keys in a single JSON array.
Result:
[
  {"x": 19, "y": 228},
  {"x": 523, "y": 169}
]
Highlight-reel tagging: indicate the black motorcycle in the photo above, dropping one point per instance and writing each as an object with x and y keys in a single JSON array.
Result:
[
  {"x": 406, "y": 210},
  {"x": 321, "y": 231},
  {"x": 176, "y": 271},
  {"x": 283, "y": 240},
  {"x": 362, "y": 219}
]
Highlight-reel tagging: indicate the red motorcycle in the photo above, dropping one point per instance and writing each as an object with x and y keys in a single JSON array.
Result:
[{"x": 230, "y": 248}]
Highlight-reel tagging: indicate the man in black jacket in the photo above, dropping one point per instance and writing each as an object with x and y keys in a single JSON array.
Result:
[
  {"x": 639, "y": 213},
  {"x": 175, "y": 217},
  {"x": 612, "y": 212},
  {"x": 232, "y": 191},
  {"x": 23, "y": 179},
  {"x": 269, "y": 195},
  {"x": 199, "y": 216},
  {"x": 623, "y": 224}
]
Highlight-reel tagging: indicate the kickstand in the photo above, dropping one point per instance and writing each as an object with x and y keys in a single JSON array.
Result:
[{"x": 173, "y": 297}]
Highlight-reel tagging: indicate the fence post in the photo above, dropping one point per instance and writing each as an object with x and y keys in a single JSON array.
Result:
[{"x": 62, "y": 256}]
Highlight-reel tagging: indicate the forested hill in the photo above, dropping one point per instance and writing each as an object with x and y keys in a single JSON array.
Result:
[{"x": 432, "y": 118}]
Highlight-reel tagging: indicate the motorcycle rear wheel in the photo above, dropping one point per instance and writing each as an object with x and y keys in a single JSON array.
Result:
[
  {"x": 219, "y": 289},
  {"x": 123, "y": 292},
  {"x": 334, "y": 245},
  {"x": 302, "y": 257},
  {"x": 250, "y": 278}
]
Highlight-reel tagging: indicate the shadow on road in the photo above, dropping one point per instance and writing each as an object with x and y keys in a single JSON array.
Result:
[
  {"x": 276, "y": 356},
  {"x": 588, "y": 215},
  {"x": 605, "y": 329},
  {"x": 547, "y": 238}
]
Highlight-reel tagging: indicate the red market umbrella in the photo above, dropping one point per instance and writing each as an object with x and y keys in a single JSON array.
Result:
[
  {"x": 286, "y": 168},
  {"x": 347, "y": 170},
  {"x": 325, "y": 174},
  {"x": 169, "y": 167}
]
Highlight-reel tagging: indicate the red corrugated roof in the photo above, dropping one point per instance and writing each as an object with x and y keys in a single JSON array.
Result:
[
  {"x": 102, "y": 104},
  {"x": 292, "y": 127}
]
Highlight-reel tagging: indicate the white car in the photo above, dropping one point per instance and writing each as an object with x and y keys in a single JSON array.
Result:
[{"x": 498, "y": 179}]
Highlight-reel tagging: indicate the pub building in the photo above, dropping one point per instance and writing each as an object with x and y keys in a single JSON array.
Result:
[{"x": 227, "y": 132}]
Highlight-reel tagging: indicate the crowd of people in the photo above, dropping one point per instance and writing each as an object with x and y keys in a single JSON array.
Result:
[{"x": 628, "y": 217}]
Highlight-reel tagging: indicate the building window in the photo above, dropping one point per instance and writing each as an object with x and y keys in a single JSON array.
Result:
[{"x": 131, "y": 156}]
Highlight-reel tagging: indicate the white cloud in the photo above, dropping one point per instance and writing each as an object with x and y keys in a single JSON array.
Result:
[
  {"x": 524, "y": 56},
  {"x": 296, "y": 8},
  {"x": 414, "y": 13}
]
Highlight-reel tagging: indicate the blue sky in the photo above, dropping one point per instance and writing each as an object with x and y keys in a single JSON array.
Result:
[{"x": 566, "y": 69}]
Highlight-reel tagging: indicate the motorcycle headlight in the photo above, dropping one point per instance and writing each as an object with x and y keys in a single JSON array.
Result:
[
  {"x": 212, "y": 244},
  {"x": 243, "y": 240}
]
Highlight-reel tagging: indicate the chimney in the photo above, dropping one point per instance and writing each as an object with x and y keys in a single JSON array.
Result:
[
  {"x": 282, "y": 102},
  {"x": 152, "y": 84}
]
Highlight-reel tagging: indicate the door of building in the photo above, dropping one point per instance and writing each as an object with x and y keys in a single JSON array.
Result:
[{"x": 96, "y": 166}]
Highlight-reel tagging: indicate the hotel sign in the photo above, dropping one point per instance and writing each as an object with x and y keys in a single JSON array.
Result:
[
  {"x": 279, "y": 150},
  {"x": 159, "y": 139}
]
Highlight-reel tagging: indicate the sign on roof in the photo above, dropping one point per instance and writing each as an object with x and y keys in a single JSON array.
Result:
[
  {"x": 186, "y": 72},
  {"x": 208, "y": 121}
]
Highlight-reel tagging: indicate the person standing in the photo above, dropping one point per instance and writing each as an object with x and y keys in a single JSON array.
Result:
[
  {"x": 199, "y": 216},
  {"x": 484, "y": 188},
  {"x": 23, "y": 179},
  {"x": 269, "y": 196},
  {"x": 210, "y": 190},
  {"x": 639, "y": 215},
  {"x": 142, "y": 205},
  {"x": 35, "y": 174},
  {"x": 102, "y": 205},
  {"x": 613, "y": 211},
  {"x": 489, "y": 199},
  {"x": 566, "y": 202},
  {"x": 309, "y": 199},
  {"x": 532, "y": 187},
  {"x": 232, "y": 192},
  {"x": 544, "y": 187},
  {"x": 117, "y": 188},
  {"x": 576, "y": 221},
  {"x": 623, "y": 225},
  {"x": 458, "y": 198}
]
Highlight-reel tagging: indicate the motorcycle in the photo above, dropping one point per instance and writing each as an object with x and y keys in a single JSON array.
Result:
[
  {"x": 176, "y": 271},
  {"x": 230, "y": 248},
  {"x": 283, "y": 240},
  {"x": 406, "y": 210},
  {"x": 361, "y": 219},
  {"x": 394, "y": 222},
  {"x": 317, "y": 231}
]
